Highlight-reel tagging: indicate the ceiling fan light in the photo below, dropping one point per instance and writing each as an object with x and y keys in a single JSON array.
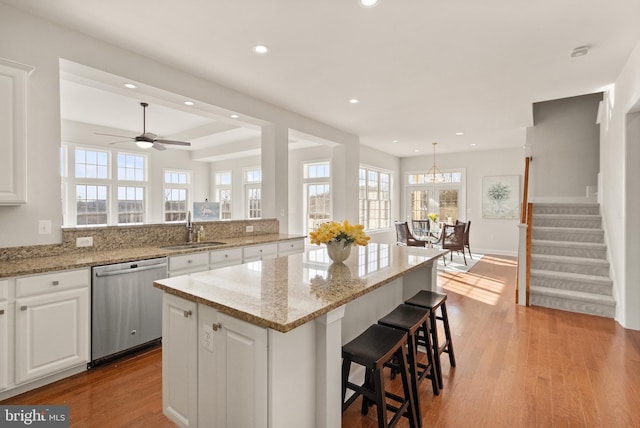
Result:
[{"x": 144, "y": 144}]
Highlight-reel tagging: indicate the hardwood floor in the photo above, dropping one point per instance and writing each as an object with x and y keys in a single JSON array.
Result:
[{"x": 516, "y": 367}]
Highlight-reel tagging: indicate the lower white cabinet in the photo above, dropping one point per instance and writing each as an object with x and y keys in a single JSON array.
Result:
[
  {"x": 180, "y": 360},
  {"x": 214, "y": 367},
  {"x": 292, "y": 246},
  {"x": 259, "y": 252},
  {"x": 4, "y": 345},
  {"x": 188, "y": 263},
  {"x": 225, "y": 257},
  {"x": 52, "y": 333}
]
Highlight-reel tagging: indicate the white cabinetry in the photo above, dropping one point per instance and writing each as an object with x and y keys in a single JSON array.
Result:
[
  {"x": 225, "y": 257},
  {"x": 214, "y": 367},
  {"x": 188, "y": 263},
  {"x": 259, "y": 252},
  {"x": 51, "y": 324},
  {"x": 4, "y": 334},
  {"x": 180, "y": 360},
  {"x": 13, "y": 132},
  {"x": 293, "y": 246}
]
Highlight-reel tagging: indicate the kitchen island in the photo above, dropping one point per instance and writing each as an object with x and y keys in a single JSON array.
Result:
[{"x": 259, "y": 345}]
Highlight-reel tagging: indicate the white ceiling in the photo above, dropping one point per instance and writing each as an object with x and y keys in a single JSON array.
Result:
[{"x": 422, "y": 70}]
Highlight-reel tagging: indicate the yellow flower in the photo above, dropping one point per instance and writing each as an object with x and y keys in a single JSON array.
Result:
[{"x": 334, "y": 231}]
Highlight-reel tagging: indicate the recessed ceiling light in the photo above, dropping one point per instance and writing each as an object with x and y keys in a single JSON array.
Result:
[
  {"x": 416, "y": 150},
  {"x": 472, "y": 144},
  {"x": 395, "y": 141},
  {"x": 354, "y": 101},
  {"x": 130, "y": 85},
  {"x": 459, "y": 133},
  {"x": 234, "y": 116},
  {"x": 261, "y": 49},
  {"x": 188, "y": 103},
  {"x": 368, "y": 3}
]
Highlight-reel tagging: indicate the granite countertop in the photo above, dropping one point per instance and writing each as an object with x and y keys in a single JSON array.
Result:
[
  {"x": 286, "y": 292},
  {"x": 90, "y": 258}
]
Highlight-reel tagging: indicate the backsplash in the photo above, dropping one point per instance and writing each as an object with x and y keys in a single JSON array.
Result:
[{"x": 152, "y": 235}]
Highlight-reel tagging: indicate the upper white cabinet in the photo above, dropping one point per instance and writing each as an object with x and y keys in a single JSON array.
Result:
[{"x": 13, "y": 132}]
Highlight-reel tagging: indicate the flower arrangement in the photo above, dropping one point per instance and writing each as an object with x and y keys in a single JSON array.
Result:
[
  {"x": 344, "y": 232},
  {"x": 433, "y": 217}
]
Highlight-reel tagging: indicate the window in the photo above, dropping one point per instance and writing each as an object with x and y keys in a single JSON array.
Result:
[
  {"x": 131, "y": 195},
  {"x": 91, "y": 205},
  {"x": 443, "y": 198},
  {"x": 317, "y": 191},
  {"x": 253, "y": 189},
  {"x": 374, "y": 198},
  {"x": 92, "y": 164},
  {"x": 177, "y": 186},
  {"x": 223, "y": 194},
  {"x": 91, "y": 178}
]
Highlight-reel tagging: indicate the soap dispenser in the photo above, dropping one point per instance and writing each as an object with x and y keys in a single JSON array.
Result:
[{"x": 201, "y": 233}]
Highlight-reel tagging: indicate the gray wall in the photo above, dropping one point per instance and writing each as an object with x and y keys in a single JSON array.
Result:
[{"x": 564, "y": 138}]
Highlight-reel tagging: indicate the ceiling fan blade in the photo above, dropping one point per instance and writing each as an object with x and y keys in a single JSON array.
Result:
[
  {"x": 176, "y": 143},
  {"x": 118, "y": 142},
  {"x": 159, "y": 147},
  {"x": 112, "y": 135}
]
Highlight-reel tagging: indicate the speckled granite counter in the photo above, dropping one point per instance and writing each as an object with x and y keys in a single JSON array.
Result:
[
  {"x": 88, "y": 258},
  {"x": 287, "y": 292}
]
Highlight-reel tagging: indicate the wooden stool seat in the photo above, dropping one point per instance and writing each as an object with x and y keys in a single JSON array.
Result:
[
  {"x": 414, "y": 320},
  {"x": 373, "y": 348},
  {"x": 432, "y": 301}
]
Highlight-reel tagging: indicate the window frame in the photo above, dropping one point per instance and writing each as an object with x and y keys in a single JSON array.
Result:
[
  {"x": 365, "y": 202},
  {"x": 318, "y": 180},
  {"x": 187, "y": 187}
]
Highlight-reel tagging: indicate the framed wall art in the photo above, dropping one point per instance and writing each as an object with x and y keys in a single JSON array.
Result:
[
  {"x": 501, "y": 196},
  {"x": 206, "y": 211}
]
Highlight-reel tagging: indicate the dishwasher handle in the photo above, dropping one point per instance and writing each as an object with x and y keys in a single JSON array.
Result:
[{"x": 125, "y": 271}]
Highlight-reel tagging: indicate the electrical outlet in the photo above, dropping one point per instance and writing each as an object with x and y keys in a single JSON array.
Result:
[
  {"x": 85, "y": 241},
  {"x": 44, "y": 227},
  {"x": 249, "y": 229}
]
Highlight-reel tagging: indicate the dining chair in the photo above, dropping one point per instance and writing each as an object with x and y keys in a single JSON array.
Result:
[
  {"x": 453, "y": 239},
  {"x": 466, "y": 238},
  {"x": 421, "y": 228},
  {"x": 404, "y": 236}
]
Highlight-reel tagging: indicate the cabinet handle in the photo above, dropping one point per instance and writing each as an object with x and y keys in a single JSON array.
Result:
[
  {"x": 55, "y": 283},
  {"x": 216, "y": 326},
  {"x": 187, "y": 314},
  {"x": 226, "y": 255},
  {"x": 189, "y": 261},
  {"x": 1, "y": 311},
  {"x": 23, "y": 308}
]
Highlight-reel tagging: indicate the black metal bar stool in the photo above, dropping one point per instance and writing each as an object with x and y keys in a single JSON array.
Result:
[
  {"x": 432, "y": 301},
  {"x": 413, "y": 320},
  {"x": 376, "y": 346}
]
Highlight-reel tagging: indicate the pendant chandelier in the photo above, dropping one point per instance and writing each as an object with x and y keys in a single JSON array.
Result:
[{"x": 434, "y": 175}]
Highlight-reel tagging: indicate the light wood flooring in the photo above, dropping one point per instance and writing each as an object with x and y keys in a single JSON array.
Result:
[{"x": 516, "y": 367}]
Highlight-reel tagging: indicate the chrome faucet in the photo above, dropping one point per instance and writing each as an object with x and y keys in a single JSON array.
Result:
[{"x": 189, "y": 228}]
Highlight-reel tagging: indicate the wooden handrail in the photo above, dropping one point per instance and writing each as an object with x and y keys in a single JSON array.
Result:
[{"x": 525, "y": 190}]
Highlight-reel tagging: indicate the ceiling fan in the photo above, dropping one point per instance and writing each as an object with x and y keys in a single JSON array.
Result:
[{"x": 147, "y": 139}]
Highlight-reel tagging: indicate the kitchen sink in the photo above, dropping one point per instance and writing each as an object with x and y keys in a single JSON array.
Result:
[{"x": 187, "y": 245}]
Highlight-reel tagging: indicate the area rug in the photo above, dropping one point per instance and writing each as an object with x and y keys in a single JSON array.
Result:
[{"x": 457, "y": 265}]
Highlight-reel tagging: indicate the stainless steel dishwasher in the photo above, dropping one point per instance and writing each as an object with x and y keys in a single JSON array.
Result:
[{"x": 126, "y": 309}]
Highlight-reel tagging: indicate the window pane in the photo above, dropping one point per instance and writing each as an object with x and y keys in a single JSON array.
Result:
[{"x": 91, "y": 205}]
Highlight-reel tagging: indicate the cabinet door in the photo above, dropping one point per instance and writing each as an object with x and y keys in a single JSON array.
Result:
[
  {"x": 179, "y": 360},
  {"x": 13, "y": 136},
  {"x": 188, "y": 263},
  {"x": 227, "y": 257},
  {"x": 52, "y": 333},
  {"x": 293, "y": 246},
  {"x": 4, "y": 345},
  {"x": 232, "y": 371},
  {"x": 259, "y": 252}
]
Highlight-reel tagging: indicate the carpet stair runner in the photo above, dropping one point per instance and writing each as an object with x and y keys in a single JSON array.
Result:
[{"x": 569, "y": 267}]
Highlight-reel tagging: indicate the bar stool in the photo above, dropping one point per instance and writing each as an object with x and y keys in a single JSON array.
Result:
[
  {"x": 432, "y": 301},
  {"x": 376, "y": 346},
  {"x": 412, "y": 320}
]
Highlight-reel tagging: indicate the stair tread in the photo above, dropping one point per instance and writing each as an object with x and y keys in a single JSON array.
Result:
[
  {"x": 571, "y": 276},
  {"x": 576, "y": 216},
  {"x": 579, "y": 244},
  {"x": 569, "y": 259},
  {"x": 568, "y": 229},
  {"x": 572, "y": 294}
]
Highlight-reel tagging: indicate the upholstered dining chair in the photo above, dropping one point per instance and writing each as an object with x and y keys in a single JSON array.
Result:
[
  {"x": 404, "y": 236},
  {"x": 421, "y": 228},
  {"x": 453, "y": 239},
  {"x": 466, "y": 238}
]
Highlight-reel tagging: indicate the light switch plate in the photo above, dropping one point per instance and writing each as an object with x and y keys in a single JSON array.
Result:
[
  {"x": 249, "y": 229},
  {"x": 44, "y": 227}
]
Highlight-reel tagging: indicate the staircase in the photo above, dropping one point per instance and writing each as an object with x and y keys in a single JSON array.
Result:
[{"x": 569, "y": 267}]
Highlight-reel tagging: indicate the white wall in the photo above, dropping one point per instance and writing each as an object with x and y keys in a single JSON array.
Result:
[
  {"x": 619, "y": 195},
  {"x": 565, "y": 137},
  {"x": 487, "y": 236},
  {"x": 30, "y": 40}
]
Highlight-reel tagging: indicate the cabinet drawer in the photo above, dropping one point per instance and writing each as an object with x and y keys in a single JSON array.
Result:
[
  {"x": 4, "y": 289},
  {"x": 228, "y": 257},
  {"x": 189, "y": 261},
  {"x": 258, "y": 252},
  {"x": 290, "y": 247},
  {"x": 49, "y": 282}
]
